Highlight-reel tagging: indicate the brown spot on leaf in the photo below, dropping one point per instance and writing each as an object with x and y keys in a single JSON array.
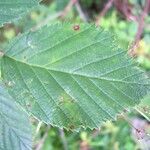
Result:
[
  {"x": 71, "y": 127},
  {"x": 76, "y": 27},
  {"x": 28, "y": 105},
  {"x": 9, "y": 84}
]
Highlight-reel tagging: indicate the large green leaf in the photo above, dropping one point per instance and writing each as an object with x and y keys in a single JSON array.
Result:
[
  {"x": 11, "y": 10},
  {"x": 15, "y": 131},
  {"x": 72, "y": 76}
]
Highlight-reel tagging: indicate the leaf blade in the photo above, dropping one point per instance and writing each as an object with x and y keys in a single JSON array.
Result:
[
  {"x": 15, "y": 130},
  {"x": 73, "y": 78},
  {"x": 11, "y": 10}
]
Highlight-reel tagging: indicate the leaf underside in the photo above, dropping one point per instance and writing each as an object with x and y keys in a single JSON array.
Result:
[
  {"x": 11, "y": 10},
  {"x": 71, "y": 77},
  {"x": 15, "y": 131}
]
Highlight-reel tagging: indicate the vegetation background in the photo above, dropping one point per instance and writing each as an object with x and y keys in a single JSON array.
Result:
[{"x": 130, "y": 21}]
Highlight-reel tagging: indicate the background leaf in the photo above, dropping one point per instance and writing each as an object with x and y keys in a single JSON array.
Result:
[
  {"x": 11, "y": 10},
  {"x": 15, "y": 133},
  {"x": 60, "y": 5},
  {"x": 72, "y": 76}
]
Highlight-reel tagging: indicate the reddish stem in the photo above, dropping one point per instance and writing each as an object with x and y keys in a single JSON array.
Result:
[
  {"x": 104, "y": 11},
  {"x": 141, "y": 24}
]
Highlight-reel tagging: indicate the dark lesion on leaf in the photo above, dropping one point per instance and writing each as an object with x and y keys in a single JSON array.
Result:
[
  {"x": 71, "y": 127},
  {"x": 76, "y": 125},
  {"x": 25, "y": 57},
  {"x": 28, "y": 105}
]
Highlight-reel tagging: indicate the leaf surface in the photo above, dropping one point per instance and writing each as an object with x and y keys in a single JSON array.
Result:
[
  {"x": 15, "y": 131},
  {"x": 11, "y": 10},
  {"x": 72, "y": 76}
]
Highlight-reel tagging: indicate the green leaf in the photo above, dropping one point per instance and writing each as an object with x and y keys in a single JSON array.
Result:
[
  {"x": 60, "y": 5},
  {"x": 72, "y": 76},
  {"x": 15, "y": 131},
  {"x": 11, "y": 10}
]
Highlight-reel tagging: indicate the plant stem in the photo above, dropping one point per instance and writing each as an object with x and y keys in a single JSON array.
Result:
[
  {"x": 41, "y": 142},
  {"x": 141, "y": 24},
  {"x": 68, "y": 8},
  {"x": 104, "y": 11},
  {"x": 80, "y": 11},
  {"x": 63, "y": 138}
]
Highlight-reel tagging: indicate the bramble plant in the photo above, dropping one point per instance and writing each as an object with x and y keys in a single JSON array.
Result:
[{"x": 67, "y": 75}]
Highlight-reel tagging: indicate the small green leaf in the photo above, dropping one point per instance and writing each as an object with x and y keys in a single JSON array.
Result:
[
  {"x": 11, "y": 10},
  {"x": 15, "y": 131},
  {"x": 72, "y": 76}
]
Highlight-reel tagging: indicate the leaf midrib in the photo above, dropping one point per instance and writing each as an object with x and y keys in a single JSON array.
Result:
[{"x": 75, "y": 74}]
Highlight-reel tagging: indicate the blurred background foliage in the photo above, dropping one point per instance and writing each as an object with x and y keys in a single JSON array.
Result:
[{"x": 131, "y": 130}]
